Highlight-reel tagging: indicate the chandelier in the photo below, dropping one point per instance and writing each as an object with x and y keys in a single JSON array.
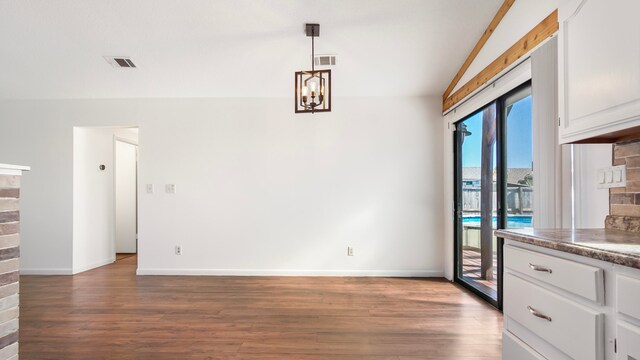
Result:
[{"x": 313, "y": 88}]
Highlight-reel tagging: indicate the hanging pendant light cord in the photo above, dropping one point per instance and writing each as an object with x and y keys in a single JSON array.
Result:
[{"x": 313, "y": 55}]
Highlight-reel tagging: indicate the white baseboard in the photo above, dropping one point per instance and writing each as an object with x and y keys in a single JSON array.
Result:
[
  {"x": 46, "y": 271},
  {"x": 66, "y": 271},
  {"x": 255, "y": 272},
  {"x": 93, "y": 265}
]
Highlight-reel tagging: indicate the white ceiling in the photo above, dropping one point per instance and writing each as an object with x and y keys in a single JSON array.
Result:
[{"x": 232, "y": 48}]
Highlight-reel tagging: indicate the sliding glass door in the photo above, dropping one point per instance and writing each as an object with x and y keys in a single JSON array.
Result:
[{"x": 493, "y": 185}]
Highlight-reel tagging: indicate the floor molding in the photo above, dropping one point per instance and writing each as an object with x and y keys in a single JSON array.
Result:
[
  {"x": 46, "y": 271},
  {"x": 94, "y": 265},
  {"x": 256, "y": 272}
]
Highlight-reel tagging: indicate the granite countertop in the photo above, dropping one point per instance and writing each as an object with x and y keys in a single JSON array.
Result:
[{"x": 614, "y": 246}]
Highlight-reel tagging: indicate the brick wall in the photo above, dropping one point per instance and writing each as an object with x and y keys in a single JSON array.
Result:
[
  {"x": 624, "y": 203},
  {"x": 9, "y": 254}
]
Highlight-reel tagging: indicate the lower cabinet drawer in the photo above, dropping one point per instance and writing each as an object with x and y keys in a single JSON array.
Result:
[
  {"x": 580, "y": 279},
  {"x": 514, "y": 349},
  {"x": 628, "y": 342},
  {"x": 572, "y": 328}
]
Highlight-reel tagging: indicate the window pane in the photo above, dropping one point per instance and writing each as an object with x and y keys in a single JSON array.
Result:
[
  {"x": 477, "y": 135},
  {"x": 519, "y": 160}
]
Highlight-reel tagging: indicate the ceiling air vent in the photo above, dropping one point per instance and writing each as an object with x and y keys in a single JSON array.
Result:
[
  {"x": 120, "y": 61},
  {"x": 324, "y": 60}
]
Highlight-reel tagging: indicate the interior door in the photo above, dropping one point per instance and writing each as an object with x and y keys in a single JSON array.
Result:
[{"x": 126, "y": 197}]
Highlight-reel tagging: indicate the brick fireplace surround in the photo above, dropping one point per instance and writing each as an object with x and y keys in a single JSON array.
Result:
[{"x": 9, "y": 259}]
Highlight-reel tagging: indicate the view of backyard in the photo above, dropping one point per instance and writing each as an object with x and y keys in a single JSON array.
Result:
[
  {"x": 519, "y": 215},
  {"x": 478, "y": 197}
]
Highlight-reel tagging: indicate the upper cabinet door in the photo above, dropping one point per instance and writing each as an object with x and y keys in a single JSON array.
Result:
[{"x": 599, "y": 68}]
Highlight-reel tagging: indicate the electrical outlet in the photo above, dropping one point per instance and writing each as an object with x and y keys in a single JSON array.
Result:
[
  {"x": 349, "y": 251},
  {"x": 149, "y": 188},
  {"x": 178, "y": 250},
  {"x": 170, "y": 188}
]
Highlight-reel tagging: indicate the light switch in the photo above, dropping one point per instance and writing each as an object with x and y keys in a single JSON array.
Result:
[
  {"x": 170, "y": 188},
  {"x": 149, "y": 188},
  {"x": 617, "y": 175},
  {"x": 612, "y": 177}
]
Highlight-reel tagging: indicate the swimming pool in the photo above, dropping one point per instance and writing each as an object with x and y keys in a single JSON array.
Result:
[{"x": 513, "y": 221}]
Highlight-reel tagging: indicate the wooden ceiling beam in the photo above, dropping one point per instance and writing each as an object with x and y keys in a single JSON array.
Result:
[
  {"x": 545, "y": 29},
  {"x": 476, "y": 49}
]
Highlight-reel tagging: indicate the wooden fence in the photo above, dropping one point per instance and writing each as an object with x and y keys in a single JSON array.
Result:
[{"x": 519, "y": 199}]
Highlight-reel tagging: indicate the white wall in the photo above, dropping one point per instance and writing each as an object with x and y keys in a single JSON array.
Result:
[
  {"x": 46, "y": 201},
  {"x": 93, "y": 198},
  {"x": 260, "y": 190},
  {"x": 591, "y": 204}
]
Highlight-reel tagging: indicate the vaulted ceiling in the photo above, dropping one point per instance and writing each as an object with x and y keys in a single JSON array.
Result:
[{"x": 232, "y": 48}]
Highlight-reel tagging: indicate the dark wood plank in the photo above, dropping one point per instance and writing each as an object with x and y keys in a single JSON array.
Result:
[
  {"x": 502, "y": 11},
  {"x": 109, "y": 313},
  {"x": 9, "y": 278},
  {"x": 10, "y": 193},
  {"x": 9, "y": 216},
  {"x": 541, "y": 32},
  {"x": 9, "y": 228},
  {"x": 9, "y": 253},
  {"x": 8, "y": 339}
]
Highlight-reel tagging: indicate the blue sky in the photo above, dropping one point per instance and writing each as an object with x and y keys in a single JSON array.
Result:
[{"x": 519, "y": 147}]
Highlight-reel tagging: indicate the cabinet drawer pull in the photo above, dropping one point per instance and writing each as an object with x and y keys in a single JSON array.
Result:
[
  {"x": 536, "y": 313},
  {"x": 539, "y": 268}
]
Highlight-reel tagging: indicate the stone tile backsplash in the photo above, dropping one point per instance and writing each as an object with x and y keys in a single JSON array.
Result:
[
  {"x": 624, "y": 203},
  {"x": 9, "y": 274}
]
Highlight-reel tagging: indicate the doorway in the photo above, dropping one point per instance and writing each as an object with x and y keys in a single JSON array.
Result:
[
  {"x": 99, "y": 210},
  {"x": 493, "y": 188},
  {"x": 126, "y": 195}
]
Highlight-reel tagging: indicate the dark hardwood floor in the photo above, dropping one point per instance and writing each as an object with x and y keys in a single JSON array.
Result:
[
  {"x": 109, "y": 313},
  {"x": 122, "y": 256}
]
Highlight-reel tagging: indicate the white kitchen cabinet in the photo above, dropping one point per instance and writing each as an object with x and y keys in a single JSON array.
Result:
[
  {"x": 628, "y": 296},
  {"x": 598, "y": 70},
  {"x": 576, "y": 330},
  {"x": 514, "y": 348},
  {"x": 628, "y": 342},
  {"x": 583, "y": 280},
  {"x": 597, "y": 316}
]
